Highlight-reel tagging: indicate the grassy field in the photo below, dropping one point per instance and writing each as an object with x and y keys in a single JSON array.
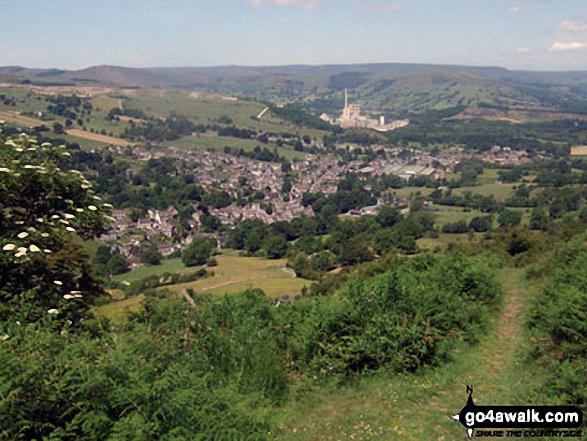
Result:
[
  {"x": 417, "y": 406},
  {"x": 499, "y": 191},
  {"x": 97, "y": 137},
  {"x": 217, "y": 143},
  {"x": 167, "y": 266},
  {"x": 235, "y": 273},
  {"x": 13, "y": 117},
  {"x": 579, "y": 150},
  {"x": 453, "y": 214}
]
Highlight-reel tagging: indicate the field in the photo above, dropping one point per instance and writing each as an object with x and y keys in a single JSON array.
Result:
[
  {"x": 97, "y": 137},
  {"x": 14, "y": 117},
  {"x": 233, "y": 274},
  {"x": 217, "y": 143},
  {"x": 580, "y": 150},
  {"x": 453, "y": 214}
]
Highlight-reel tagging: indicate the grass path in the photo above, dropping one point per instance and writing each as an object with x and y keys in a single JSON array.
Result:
[{"x": 417, "y": 407}]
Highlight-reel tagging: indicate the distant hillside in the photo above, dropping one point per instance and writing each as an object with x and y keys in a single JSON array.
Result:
[{"x": 391, "y": 89}]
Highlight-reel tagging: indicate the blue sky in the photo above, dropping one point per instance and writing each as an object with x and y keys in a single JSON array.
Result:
[{"x": 74, "y": 34}]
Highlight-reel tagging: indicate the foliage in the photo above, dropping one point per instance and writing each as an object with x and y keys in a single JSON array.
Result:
[
  {"x": 403, "y": 318},
  {"x": 558, "y": 321},
  {"x": 42, "y": 210},
  {"x": 275, "y": 247},
  {"x": 198, "y": 252}
]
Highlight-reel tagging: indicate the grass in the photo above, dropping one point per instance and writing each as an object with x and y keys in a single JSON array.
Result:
[
  {"x": 417, "y": 406},
  {"x": 117, "y": 311},
  {"x": 217, "y": 143},
  {"x": 579, "y": 150},
  {"x": 500, "y": 192},
  {"x": 97, "y": 137},
  {"x": 167, "y": 266},
  {"x": 13, "y": 117},
  {"x": 235, "y": 273},
  {"x": 449, "y": 214}
]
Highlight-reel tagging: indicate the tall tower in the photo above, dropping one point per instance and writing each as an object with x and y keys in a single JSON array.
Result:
[{"x": 346, "y": 114}]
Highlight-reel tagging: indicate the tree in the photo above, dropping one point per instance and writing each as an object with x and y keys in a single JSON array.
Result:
[
  {"x": 42, "y": 210},
  {"x": 275, "y": 247},
  {"x": 117, "y": 264},
  {"x": 481, "y": 224},
  {"x": 58, "y": 128},
  {"x": 198, "y": 252},
  {"x": 151, "y": 255},
  {"x": 509, "y": 218},
  {"x": 538, "y": 219},
  {"x": 387, "y": 216}
]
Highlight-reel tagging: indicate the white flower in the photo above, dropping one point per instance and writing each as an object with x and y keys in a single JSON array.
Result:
[
  {"x": 98, "y": 198},
  {"x": 125, "y": 283},
  {"x": 18, "y": 323},
  {"x": 4, "y": 337},
  {"x": 79, "y": 210},
  {"x": 46, "y": 144},
  {"x": 57, "y": 282},
  {"x": 34, "y": 248},
  {"x": 9, "y": 247},
  {"x": 45, "y": 234},
  {"x": 77, "y": 296},
  {"x": 75, "y": 292},
  {"x": 40, "y": 220},
  {"x": 29, "y": 166},
  {"x": 53, "y": 311},
  {"x": 108, "y": 205},
  {"x": 18, "y": 149},
  {"x": 69, "y": 201},
  {"x": 47, "y": 251},
  {"x": 18, "y": 222},
  {"x": 54, "y": 217},
  {"x": 20, "y": 254},
  {"x": 4, "y": 169},
  {"x": 32, "y": 148},
  {"x": 31, "y": 229},
  {"x": 69, "y": 216},
  {"x": 66, "y": 154},
  {"x": 72, "y": 230},
  {"x": 85, "y": 186},
  {"x": 22, "y": 235},
  {"x": 11, "y": 143},
  {"x": 63, "y": 221},
  {"x": 68, "y": 297},
  {"x": 92, "y": 207}
]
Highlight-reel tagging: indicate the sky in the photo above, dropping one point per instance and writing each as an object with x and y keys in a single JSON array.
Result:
[{"x": 75, "y": 34}]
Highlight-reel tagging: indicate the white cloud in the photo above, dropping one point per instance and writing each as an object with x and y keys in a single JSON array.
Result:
[
  {"x": 378, "y": 7},
  {"x": 565, "y": 47},
  {"x": 513, "y": 10},
  {"x": 523, "y": 50},
  {"x": 573, "y": 26},
  {"x": 302, "y": 4}
]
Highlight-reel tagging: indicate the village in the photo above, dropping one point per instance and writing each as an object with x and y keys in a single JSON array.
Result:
[{"x": 316, "y": 173}]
